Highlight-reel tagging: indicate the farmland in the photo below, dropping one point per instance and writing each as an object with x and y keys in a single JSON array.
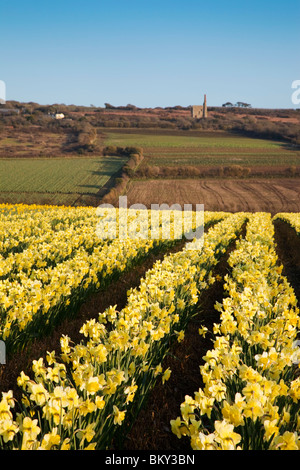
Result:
[
  {"x": 258, "y": 147},
  {"x": 221, "y": 171},
  {"x": 148, "y": 341},
  {"x": 65, "y": 181},
  {"x": 226, "y": 194},
  {"x": 178, "y": 140}
]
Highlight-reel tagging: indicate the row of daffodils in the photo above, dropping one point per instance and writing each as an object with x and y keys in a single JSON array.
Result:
[
  {"x": 292, "y": 218},
  {"x": 88, "y": 394},
  {"x": 251, "y": 392},
  {"x": 59, "y": 257}
]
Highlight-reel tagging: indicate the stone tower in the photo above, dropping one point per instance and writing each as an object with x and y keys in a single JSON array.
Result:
[
  {"x": 205, "y": 107},
  {"x": 200, "y": 112}
]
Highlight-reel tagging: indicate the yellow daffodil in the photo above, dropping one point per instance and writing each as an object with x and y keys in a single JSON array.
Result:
[
  {"x": 166, "y": 375},
  {"x": 225, "y": 435},
  {"x": 118, "y": 415},
  {"x": 287, "y": 441}
]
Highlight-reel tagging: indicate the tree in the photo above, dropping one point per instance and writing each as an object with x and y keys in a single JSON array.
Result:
[
  {"x": 240, "y": 104},
  {"x": 87, "y": 137}
]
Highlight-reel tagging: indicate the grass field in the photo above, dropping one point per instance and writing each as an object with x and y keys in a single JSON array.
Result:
[
  {"x": 57, "y": 180},
  {"x": 209, "y": 150},
  {"x": 172, "y": 140}
]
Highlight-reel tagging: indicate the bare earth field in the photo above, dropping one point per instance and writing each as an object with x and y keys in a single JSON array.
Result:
[{"x": 271, "y": 195}]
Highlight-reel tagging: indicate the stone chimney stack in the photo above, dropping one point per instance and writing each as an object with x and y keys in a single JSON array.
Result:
[{"x": 205, "y": 107}]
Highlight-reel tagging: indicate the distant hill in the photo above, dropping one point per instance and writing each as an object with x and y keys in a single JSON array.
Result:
[{"x": 282, "y": 124}]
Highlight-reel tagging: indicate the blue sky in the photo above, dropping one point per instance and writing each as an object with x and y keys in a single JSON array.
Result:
[{"x": 150, "y": 53}]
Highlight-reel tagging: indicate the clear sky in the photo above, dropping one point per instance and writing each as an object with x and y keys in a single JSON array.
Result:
[{"x": 150, "y": 53}]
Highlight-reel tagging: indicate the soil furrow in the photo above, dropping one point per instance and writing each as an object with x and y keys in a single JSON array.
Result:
[
  {"x": 288, "y": 251},
  {"x": 151, "y": 430}
]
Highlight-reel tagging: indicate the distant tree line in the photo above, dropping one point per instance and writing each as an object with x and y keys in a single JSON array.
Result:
[{"x": 239, "y": 104}]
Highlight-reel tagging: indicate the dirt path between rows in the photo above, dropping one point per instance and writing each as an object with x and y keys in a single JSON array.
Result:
[{"x": 288, "y": 252}]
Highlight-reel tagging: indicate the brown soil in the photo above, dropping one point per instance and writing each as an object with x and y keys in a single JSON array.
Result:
[
  {"x": 288, "y": 250},
  {"x": 233, "y": 195}
]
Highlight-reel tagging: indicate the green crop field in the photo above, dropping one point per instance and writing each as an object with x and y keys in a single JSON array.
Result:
[
  {"x": 209, "y": 149},
  {"x": 215, "y": 159},
  {"x": 55, "y": 180},
  {"x": 214, "y": 140}
]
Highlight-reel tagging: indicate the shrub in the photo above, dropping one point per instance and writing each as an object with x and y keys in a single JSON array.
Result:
[{"x": 236, "y": 170}]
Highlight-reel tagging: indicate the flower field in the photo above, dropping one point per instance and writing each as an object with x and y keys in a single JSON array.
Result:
[
  {"x": 88, "y": 394},
  {"x": 251, "y": 396},
  {"x": 51, "y": 259}
]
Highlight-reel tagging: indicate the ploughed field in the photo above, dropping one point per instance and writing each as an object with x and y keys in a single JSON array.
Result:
[
  {"x": 148, "y": 342},
  {"x": 257, "y": 194}
]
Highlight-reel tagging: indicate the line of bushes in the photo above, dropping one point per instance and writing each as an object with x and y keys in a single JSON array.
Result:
[
  {"x": 191, "y": 171},
  {"x": 135, "y": 156}
]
